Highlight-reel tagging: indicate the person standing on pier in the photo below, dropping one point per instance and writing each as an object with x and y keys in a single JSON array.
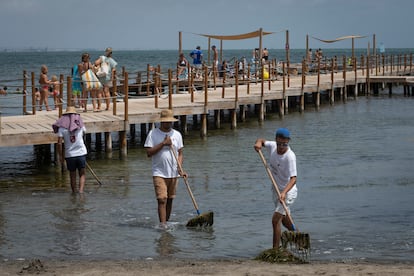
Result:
[
  {"x": 197, "y": 56},
  {"x": 83, "y": 68},
  {"x": 282, "y": 164},
  {"x": 70, "y": 130},
  {"x": 108, "y": 66},
  {"x": 215, "y": 57},
  {"x": 165, "y": 171},
  {"x": 44, "y": 88}
]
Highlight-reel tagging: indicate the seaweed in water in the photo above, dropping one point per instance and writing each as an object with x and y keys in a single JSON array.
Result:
[
  {"x": 280, "y": 255},
  {"x": 205, "y": 219}
]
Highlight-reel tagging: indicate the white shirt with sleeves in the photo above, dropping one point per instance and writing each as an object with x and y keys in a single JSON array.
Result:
[{"x": 163, "y": 162}]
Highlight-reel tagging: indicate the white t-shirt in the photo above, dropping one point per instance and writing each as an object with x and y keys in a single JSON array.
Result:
[
  {"x": 74, "y": 145},
  {"x": 283, "y": 167},
  {"x": 163, "y": 162}
]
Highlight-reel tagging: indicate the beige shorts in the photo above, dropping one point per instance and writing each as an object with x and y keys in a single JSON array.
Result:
[{"x": 164, "y": 187}]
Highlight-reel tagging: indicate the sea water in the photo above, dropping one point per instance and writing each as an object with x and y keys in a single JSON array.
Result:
[{"x": 355, "y": 182}]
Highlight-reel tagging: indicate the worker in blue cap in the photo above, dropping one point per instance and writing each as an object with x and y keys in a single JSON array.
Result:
[{"x": 283, "y": 168}]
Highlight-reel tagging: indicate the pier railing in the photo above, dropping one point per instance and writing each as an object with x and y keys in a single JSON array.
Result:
[{"x": 156, "y": 83}]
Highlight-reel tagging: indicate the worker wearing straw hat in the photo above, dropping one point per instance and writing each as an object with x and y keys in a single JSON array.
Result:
[
  {"x": 70, "y": 130},
  {"x": 165, "y": 169}
]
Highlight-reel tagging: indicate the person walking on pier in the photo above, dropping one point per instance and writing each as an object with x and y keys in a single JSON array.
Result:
[
  {"x": 70, "y": 130},
  {"x": 105, "y": 75},
  {"x": 282, "y": 164},
  {"x": 165, "y": 172}
]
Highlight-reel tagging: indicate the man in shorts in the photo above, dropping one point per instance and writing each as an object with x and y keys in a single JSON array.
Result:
[
  {"x": 70, "y": 130},
  {"x": 282, "y": 164},
  {"x": 165, "y": 169}
]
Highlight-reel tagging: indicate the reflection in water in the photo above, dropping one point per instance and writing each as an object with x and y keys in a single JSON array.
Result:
[
  {"x": 166, "y": 244},
  {"x": 71, "y": 228}
]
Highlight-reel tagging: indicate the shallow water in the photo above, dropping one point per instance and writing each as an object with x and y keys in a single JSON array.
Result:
[
  {"x": 355, "y": 183},
  {"x": 355, "y": 192}
]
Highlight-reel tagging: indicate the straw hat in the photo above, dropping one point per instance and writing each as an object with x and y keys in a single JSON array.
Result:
[
  {"x": 167, "y": 116},
  {"x": 70, "y": 110}
]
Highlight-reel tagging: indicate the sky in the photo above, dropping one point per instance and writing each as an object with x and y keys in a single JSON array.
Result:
[{"x": 155, "y": 24}]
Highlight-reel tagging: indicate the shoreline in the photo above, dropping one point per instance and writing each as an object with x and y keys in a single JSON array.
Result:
[{"x": 200, "y": 267}]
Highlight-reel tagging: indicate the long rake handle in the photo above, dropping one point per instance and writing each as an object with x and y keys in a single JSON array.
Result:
[
  {"x": 185, "y": 181},
  {"x": 276, "y": 188},
  {"x": 93, "y": 173}
]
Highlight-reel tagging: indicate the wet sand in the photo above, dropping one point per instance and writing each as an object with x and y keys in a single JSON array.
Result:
[{"x": 198, "y": 267}]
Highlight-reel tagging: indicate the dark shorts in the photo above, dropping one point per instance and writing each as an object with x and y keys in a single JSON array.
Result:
[{"x": 74, "y": 163}]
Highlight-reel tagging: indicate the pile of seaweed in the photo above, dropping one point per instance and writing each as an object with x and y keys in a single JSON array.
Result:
[{"x": 280, "y": 255}]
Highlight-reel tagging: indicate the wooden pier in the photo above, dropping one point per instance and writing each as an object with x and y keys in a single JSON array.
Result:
[{"x": 207, "y": 101}]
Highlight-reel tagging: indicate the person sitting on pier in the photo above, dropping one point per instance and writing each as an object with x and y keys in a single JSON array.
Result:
[
  {"x": 182, "y": 67},
  {"x": 70, "y": 130}
]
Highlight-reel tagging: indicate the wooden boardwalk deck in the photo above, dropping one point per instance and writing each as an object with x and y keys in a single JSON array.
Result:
[{"x": 37, "y": 129}]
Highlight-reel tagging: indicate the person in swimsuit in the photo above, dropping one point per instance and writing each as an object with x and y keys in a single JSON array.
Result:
[
  {"x": 55, "y": 91},
  {"x": 44, "y": 87},
  {"x": 181, "y": 66},
  {"x": 84, "y": 66}
]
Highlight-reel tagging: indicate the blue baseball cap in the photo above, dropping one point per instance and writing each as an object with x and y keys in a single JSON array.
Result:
[{"x": 283, "y": 132}]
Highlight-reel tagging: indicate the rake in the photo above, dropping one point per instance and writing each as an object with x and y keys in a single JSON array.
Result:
[{"x": 204, "y": 219}]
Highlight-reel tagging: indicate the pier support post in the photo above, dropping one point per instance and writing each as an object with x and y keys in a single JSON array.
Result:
[
  {"x": 217, "y": 118},
  {"x": 108, "y": 142},
  {"x": 242, "y": 113},
  {"x": 281, "y": 108},
  {"x": 390, "y": 88},
  {"x": 132, "y": 131},
  {"x": 123, "y": 143},
  {"x": 302, "y": 103},
  {"x": 286, "y": 105},
  {"x": 317, "y": 100},
  {"x": 98, "y": 141},
  {"x": 88, "y": 139},
  {"x": 203, "y": 131},
  {"x": 345, "y": 93},
  {"x": 184, "y": 125},
  {"x": 233, "y": 114},
  {"x": 261, "y": 112},
  {"x": 195, "y": 120},
  {"x": 143, "y": 133}
]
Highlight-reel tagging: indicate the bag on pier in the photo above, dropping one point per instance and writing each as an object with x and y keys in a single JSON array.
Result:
[
  {"x": 90, "y": 80},
  {"x": 103, "y": 70}
]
